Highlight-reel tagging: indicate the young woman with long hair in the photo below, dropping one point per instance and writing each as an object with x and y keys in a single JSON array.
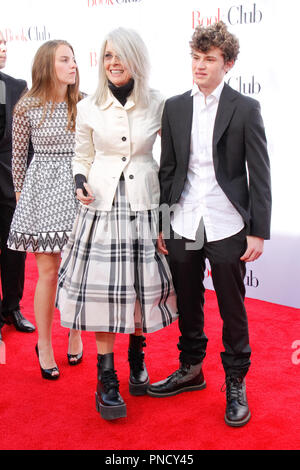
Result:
[{"x": 45, "y": 192}]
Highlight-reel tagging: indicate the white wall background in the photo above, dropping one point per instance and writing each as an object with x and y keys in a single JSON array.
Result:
[{"x": 267, "y": 70}]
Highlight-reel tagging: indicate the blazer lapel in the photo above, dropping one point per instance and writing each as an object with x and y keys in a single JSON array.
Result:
[
  {"x": 225, "y": 110},
  {"x": 185, "y": 117}
]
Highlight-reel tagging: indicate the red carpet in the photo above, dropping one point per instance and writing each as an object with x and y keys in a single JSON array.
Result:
[{"x": 38, "y": 414}]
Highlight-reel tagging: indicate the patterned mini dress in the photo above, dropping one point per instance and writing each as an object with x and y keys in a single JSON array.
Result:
[{"x": 47, "y": 207}]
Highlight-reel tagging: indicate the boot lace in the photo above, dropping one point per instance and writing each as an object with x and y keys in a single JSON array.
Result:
[
  {"x": 110, "y": 380},
  {"x": 233, "y": 387}
]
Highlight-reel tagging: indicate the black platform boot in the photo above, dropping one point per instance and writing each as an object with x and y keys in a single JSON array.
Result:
[
  {"x": 109, "y": 402},
  {"x": 139, "y": 379}
]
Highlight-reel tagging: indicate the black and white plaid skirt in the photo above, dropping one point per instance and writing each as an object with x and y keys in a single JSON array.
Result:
[{"x": 112, "y": 278}]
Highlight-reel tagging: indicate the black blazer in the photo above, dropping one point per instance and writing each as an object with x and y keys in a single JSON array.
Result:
[
  {"x": 14, "y": 90},
  {"x": 240, "y": 155}
]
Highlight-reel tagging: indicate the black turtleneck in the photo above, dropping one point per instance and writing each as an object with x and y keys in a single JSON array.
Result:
[{"x": 121, "y": 92}]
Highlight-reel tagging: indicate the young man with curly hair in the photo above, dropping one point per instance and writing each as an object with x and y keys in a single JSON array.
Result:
[{"x": 215, "y": 177}]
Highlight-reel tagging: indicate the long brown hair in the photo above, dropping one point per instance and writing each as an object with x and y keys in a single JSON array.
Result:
[{"x": 44, "y": 83}]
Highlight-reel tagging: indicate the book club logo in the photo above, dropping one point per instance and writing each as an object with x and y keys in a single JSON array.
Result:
[
  {"x": 107, "y": 3},
  {"x": 246, "y": 86},
  {"x": 27, "y": 34},
  {"x": 235, "y": 15},
  {"x": 250, "y": 279}
]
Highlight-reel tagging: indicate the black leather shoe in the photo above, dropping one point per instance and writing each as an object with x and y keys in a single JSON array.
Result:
[
  {"x": 237, "y": 411},
  {"x": 185, "y": 379},
  {"x": 16, "y": 318},
  {"x": 109, "y": 402},
  {"x": 138, "y": 379}
]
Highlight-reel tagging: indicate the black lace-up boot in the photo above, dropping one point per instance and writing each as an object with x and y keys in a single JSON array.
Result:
[
  {"x": 237, "y": 411},
  {"x": 185, "y": 379},
  {"x": 138, "y": 379},
  {"x": 109, "y": 402}
]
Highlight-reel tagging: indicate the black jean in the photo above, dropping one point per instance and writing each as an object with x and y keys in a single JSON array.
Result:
[
  {"x": 228, "y": 272},
  {"x": 12, "y": 265}
]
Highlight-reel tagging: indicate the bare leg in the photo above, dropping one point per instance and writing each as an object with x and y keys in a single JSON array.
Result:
[{"x": 105, "y": 342}]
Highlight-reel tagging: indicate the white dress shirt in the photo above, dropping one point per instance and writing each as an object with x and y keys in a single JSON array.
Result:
[{"x": 202, "y": 196}]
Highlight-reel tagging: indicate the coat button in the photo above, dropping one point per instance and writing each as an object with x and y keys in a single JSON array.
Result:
[
  {"x": 124, "y": 138},
  {"x": 131, "y": 177},
  {"x": 124, "y": 159}
]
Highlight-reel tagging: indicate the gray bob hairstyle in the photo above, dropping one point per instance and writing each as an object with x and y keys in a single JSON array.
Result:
[{"x": 133, "y": 53}]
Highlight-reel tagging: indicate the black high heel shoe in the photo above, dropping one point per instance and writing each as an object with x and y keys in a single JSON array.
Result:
[
  {"x": 47, "y": 373},
  {"x": 74, "y": 359}
]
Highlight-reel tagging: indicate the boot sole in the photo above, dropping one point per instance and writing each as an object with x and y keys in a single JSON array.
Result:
[
  {"x": 138, "y": 389},
  {"x": 238, "y": 424},
  {"x": 110, "y": 412},
  {"x": 191, "y": 388}
]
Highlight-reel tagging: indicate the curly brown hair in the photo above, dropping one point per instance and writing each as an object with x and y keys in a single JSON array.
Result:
[{"x": 216, "y": 35}]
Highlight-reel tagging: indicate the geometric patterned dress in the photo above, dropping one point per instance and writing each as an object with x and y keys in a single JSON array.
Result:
[{"x": 47, "y": 207}]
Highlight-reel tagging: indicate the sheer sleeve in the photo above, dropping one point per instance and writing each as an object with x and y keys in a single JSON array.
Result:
[{"x": 20, "y": 146}]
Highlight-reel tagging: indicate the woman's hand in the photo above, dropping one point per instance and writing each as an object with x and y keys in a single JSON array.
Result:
[
  {"x": 86, "y": 200},
  {"x": 18, "y": 194}
]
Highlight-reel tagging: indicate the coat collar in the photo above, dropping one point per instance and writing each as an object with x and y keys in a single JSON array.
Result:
[
  {"x": 225, "y": 111},
  {"x": 111, "y": 100}
]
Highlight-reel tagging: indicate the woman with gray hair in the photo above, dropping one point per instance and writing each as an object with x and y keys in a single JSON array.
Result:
[{"x": 112, "y": 278}]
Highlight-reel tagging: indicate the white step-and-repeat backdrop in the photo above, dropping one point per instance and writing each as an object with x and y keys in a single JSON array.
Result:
[{"x": 267, "y": 69}]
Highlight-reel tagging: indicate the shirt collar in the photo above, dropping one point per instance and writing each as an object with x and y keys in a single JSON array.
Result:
[{"x": 216, "y": 93}]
